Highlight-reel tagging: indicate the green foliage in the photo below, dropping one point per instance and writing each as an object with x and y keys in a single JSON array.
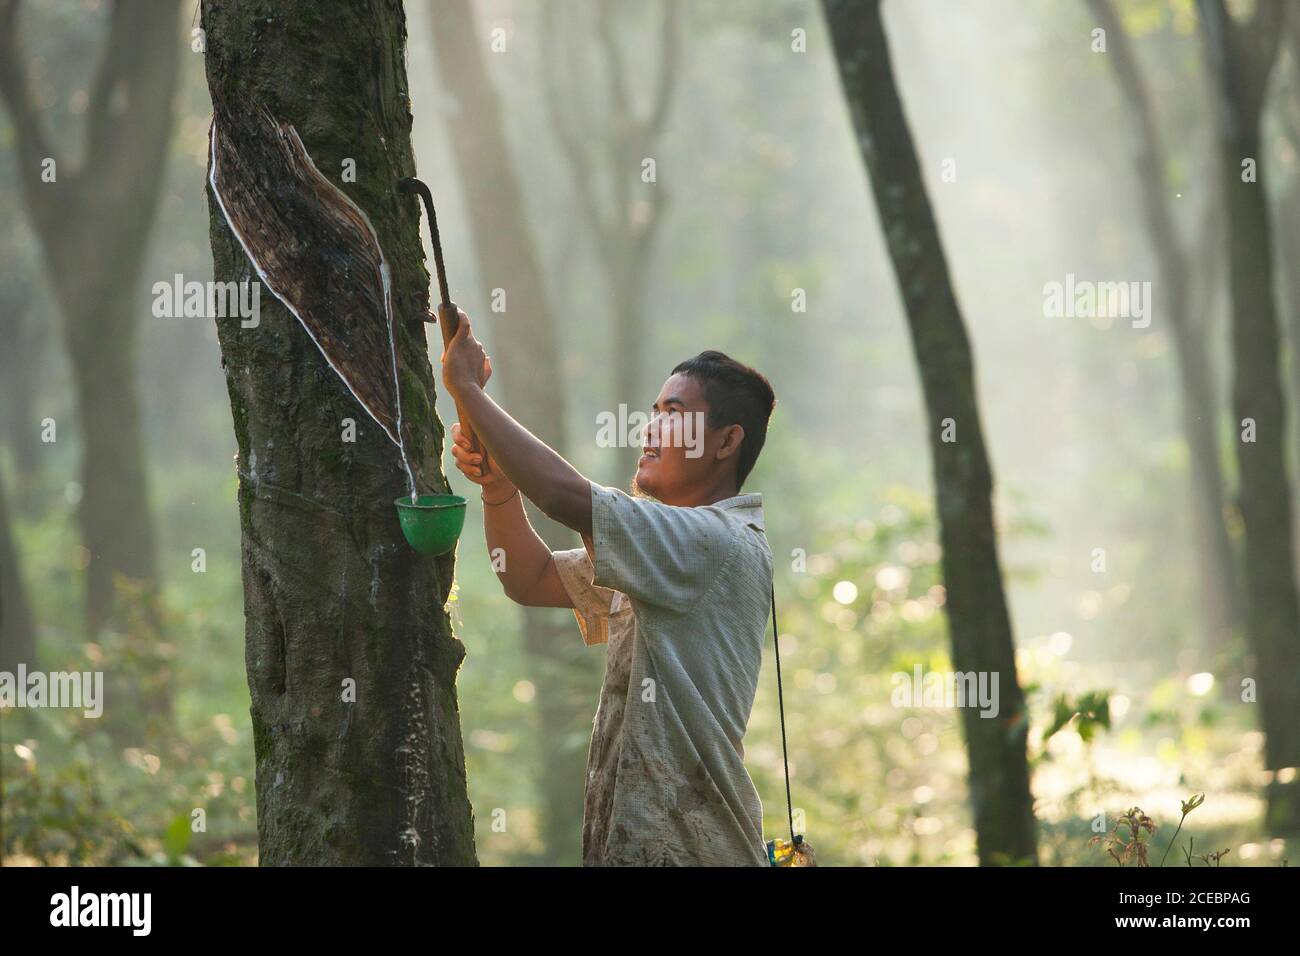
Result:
[
  {"x": 121, "y": 789},
  {"x": 1092, "y": 708},
  {"x": 53, "y": 816}
]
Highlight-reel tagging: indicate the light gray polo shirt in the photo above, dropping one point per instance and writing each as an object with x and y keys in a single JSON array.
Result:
[{"x": 681, "y": 597}]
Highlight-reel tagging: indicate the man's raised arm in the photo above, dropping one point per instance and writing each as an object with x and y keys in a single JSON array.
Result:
[{"x": 539, "y": 472}]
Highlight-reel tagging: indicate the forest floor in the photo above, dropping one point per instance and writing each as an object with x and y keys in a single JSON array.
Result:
[{"x": 874, "y": 784}]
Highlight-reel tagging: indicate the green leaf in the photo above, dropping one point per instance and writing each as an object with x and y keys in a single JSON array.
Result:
[{"x": 177, "y": 837}]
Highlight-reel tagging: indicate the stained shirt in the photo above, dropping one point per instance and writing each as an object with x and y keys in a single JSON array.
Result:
[{"x": 680, "y": 596}]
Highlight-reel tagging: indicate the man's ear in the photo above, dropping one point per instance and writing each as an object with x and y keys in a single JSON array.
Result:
[{"x": 731, "y": 440}]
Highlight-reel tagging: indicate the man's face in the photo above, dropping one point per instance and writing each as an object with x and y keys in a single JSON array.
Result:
[{"x": 680, "y": 456}]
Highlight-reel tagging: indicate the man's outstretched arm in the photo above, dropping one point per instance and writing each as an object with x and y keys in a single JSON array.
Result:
[
  {"x": 528, "y": 572},
  {"x": 539, "y": 472}
]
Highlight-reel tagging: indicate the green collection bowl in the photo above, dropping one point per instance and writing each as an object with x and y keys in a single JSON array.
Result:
[{"x": 432, "y": 523}]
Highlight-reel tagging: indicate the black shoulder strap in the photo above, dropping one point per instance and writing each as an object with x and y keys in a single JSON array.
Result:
[{"x": 780, "y": 703}]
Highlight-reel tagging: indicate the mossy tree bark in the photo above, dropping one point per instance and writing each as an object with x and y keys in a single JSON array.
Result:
[
  {"x": 334, "y": 597},
  {"x": 979, "y": 623},
  {"x": 532, "y": 382},
  {"x": 1241, "y": 57}
]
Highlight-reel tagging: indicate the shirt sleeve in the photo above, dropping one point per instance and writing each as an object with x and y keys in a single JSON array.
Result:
[
  {"x": 592, "y": 605},
  {"x": 664, "y": 555}
]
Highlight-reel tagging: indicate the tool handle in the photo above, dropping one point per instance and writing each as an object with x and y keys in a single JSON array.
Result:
[{"x": 448, "y": 322}]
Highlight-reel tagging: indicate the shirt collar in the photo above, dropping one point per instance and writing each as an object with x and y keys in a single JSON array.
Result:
[{"x": 749, "y": 506}]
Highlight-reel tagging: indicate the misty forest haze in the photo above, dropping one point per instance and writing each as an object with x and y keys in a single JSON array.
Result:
[{"x": 1089, "y": 242}]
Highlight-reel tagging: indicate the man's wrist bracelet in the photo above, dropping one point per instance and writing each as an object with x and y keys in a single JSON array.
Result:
[{"x": 493, "y": 504}]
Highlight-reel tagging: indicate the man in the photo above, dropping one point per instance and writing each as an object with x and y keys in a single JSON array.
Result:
[{"x": 678, "y": 587}]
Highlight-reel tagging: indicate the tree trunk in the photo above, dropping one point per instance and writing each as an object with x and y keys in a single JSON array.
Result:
[
  {"x": 17, "y": 632},
  {"x": 351, "y": 660},
  {"x": 628, "y": 316},
  {"x": 1219, "y": 589},
  {"x": 116, "y": 523},
  {"x": 1288, "y": 241},
  {"x": 533, "y": 387},
  {"x": 93, "y": 225},
  {"x": 20, "y": 368},
  {"x": 613, "y": 147},
  {"x": 980, "y": 625},
  {"x": 1288, "y": 245},
  {"x": 1242, "y": 57}
]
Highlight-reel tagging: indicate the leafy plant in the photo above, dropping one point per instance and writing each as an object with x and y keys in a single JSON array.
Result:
[{"x": 1125, "y": 843}]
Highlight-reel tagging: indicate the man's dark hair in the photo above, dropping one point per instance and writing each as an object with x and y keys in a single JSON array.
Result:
[{"x": 737, "y": 395}]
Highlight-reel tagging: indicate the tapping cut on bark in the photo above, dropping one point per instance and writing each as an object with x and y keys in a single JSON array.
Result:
[{"x": 315, "y": 250}]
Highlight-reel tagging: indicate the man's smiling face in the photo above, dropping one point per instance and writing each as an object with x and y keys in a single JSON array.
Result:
[{"x": 679, "y": 453}]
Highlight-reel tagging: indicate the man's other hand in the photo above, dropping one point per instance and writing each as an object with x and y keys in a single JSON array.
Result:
[{"x": 477, "y": 466}]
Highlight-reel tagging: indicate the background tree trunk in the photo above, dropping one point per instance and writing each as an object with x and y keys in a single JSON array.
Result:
[
  {"x": 93, "y": 225},
  {"x": 1288, "y": 245},
  {"x": 1241, "y": 58},
  {"x": 623, "y": 214},
  {"x": 976, "y": 606},
  {"x": 1288, "y": 240},
  {"x": 1219, "y": 589},
  {"x": 17, "y": 632},
  {"x": 332, "y": 591},
  {"x": 533, "y": 388},
  {"x": 20, "y": 368}
]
